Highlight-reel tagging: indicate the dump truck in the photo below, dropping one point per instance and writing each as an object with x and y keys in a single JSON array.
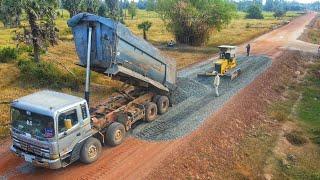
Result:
[{"x": 52, "y": 129}]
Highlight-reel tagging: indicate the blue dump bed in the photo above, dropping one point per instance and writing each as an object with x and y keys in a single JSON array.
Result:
[{"x": 118, "y": 53}]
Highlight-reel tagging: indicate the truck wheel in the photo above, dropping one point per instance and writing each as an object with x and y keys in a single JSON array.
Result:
[
  {"x": 115, "y": 134},
  {"x": 90, "y": 151},
  {"x": 163, "y": 104},
  {"x": 151, "y": 111}
]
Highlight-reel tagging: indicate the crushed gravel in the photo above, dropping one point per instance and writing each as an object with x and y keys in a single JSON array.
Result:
[{"x": 195, "y": 100}]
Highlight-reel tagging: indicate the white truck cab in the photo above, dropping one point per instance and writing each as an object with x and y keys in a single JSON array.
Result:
[{"x": 48, "y": 126}]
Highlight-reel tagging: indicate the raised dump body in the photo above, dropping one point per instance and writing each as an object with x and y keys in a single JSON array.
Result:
[{"x": 116, "y": 52}]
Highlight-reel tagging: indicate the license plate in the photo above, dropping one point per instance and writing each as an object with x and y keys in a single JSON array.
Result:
[{"x": 28, "y": 158}]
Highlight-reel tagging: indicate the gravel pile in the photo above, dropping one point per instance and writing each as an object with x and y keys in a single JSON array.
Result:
[{"x": 194, "y": 100}]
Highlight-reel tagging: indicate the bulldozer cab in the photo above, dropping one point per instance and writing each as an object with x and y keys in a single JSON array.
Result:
[{"x": 227, "y": 52}]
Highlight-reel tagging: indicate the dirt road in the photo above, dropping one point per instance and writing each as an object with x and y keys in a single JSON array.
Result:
[{"x": 135, "y": 159}]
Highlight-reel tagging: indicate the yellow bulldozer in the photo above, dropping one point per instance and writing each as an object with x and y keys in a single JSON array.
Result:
[{"x": 226, "y": 65}]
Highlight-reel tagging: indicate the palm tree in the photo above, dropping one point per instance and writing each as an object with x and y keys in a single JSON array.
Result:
[
  {"x": 145, "y": 26},
  {"x": 41, "y": 15}
]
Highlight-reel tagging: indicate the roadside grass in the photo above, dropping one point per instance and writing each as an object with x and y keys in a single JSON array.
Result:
[
  {"x": 255, "y": 150},
  {"x": 288, "y": 145},
  {"x": 312, "y": 32},
  {"x": 305, "y": 138}
]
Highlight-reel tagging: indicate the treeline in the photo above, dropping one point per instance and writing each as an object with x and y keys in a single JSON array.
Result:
[
  {"x": 191, "y": 21},
  {"x": 274, "y": 5},
  {"x": 279, "y": 7}
]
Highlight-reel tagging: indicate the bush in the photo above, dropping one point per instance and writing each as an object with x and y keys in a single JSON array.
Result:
[
  {"x": 279, "y": 13},
  {"x": 44, "y": 74},
  {"x": 8, "y": 54},
  {"x": 296, "y": 138},
  {"x": 254, "y": 12},
  {"x": 316, "y": 135}
]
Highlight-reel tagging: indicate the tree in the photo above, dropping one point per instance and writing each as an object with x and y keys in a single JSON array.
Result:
[
  {"x": 269, "y": 5},
  {"x": 142, "y": 4},
  {"x": 145, "y": 26},
  {"x": 192, "y": 21},
  {"x": 151, "y": 5},
  {"x": 254, "y": 12},
  {"x": 11, "y": 11},
  {"x": 132, "y": 10},
  {"x": 90, "y": 6},
  {"x": 113, "y": 8},
  {"x": 41, "y": 15},
  {"x": 73, "y": 6},
  {"x": 279, "y": 13},
  {"x": 244, "y": 5},
  {"x": 103, "y": 9},
  {"x": 125, "y": 4}
]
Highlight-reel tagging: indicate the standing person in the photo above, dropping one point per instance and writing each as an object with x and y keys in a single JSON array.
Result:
[
  {"x": 248, "y": 49},
  {"x": 216, "y": 84}
]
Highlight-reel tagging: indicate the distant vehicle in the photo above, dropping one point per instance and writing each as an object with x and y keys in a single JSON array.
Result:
[{"x": 53, "y": 130}]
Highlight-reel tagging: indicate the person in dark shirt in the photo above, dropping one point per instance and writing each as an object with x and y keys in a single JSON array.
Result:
[{"x": 248, "y": 49}]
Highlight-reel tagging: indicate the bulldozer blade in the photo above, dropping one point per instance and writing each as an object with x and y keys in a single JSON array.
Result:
[{"x": 234, "y": 74}]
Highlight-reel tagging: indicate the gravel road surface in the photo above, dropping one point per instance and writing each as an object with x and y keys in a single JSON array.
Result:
[{"x": 195, "y": 99}]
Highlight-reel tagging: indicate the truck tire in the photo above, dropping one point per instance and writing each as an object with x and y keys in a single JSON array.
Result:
[
  {"x": 115, "y": 134},
  {"x": 90, "y": 150},
  {"x": 163, "y": 104},
  {"x": 151, "y": 111}
]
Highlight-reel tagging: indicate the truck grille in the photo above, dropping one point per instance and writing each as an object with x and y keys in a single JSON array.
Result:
[{"x": 30, "y": 148}]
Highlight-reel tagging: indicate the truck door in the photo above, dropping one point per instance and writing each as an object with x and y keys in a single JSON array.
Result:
[{"x": 69, "y": 135}]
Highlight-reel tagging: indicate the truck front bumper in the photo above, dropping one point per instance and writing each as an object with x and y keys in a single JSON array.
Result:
[{"x": 37, "y": 160}]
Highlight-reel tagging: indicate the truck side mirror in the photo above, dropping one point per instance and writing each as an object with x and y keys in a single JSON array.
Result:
[{"x": 68, "y": 124}]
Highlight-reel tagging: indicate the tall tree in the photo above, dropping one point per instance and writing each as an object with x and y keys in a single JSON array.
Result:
[
  {"x": 191, "y": 21},
  {"x": 103, "y": 9},
  {"x": 73, "y": 6},
  {"x": 145, "y": 26},
  {"x": 142, "y": 4},
  {"x": 113, "y": 7},
  {"x": 41, "y": 17},
  {"x": 151, "y": 5},
  {"x": 269, "y": 5},
  {"x": 11, "y": 11},
  {"x": 243, "y": 5},
  {"x": 125, "y": 4},
  {"x": 132, "y": 10},
  {"x": 90, "y": 6}
]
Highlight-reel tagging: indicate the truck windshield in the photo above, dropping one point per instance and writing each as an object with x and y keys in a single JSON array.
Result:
[{"x": 33, "y": 123}]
